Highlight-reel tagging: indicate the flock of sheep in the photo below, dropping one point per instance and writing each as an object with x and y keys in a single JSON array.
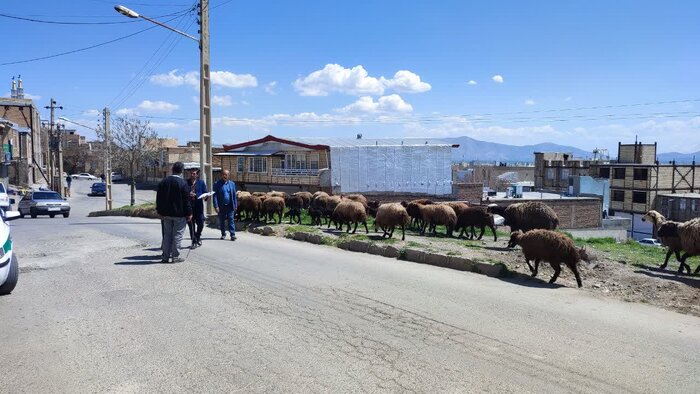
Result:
[{"x": 532, "y": 223}]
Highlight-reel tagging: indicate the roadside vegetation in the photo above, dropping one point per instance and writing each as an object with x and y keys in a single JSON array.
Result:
[{"x": 145, "y": 210}]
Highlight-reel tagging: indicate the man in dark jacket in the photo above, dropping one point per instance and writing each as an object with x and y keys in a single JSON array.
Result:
[
  {"x": 173, "y": 205},
  {"x": 225, "y": 204},
  {"x": 197, "y": 188}
]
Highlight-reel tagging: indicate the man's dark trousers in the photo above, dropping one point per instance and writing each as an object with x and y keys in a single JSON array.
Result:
[
  {"x": 226, "y": 213},
  {"x": 196, "y": 225}
]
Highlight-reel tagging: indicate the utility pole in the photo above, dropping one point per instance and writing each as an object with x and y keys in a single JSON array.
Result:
[
  {"x": 205, "y": 156},
  {"x": 56, "y": 134},
  {"x": 108, "y": 160}
]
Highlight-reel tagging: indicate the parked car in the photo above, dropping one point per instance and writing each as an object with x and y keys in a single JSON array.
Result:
[
  {"x": 84, "y": 175},
  {"x": 43, "y": 203},
  {"x": 650, "y": 242},
  {"x": 4, "y": 198},
  {"x": 98, "y": 189},
  {"x": 117, "y": 176},
  {"x": 9, "y": 268}
]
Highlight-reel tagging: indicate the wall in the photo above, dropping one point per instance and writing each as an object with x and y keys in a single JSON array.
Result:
[
  {"x": 488, "y": 175},
  {"x": 590, "y": 186},
  {"x": 471, "y": 192}
]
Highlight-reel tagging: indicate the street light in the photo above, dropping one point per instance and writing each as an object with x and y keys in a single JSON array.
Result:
[{"x": 205, "y": 154}]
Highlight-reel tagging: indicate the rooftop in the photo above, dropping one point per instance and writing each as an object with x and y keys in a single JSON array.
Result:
[{"x": 680, "y": 195}]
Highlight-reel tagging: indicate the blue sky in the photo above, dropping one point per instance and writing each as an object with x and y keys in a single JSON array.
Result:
[{"x": 581, "y": 73}]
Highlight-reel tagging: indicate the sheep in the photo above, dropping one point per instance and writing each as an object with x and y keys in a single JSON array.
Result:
[
  {"x": 414, "y": 212},
  {"x": 672, "y": 243},
  {"x": 437, "y": 214},
  {"x": 272, "y": 206},
  {"x": 689, "y": 235},
  {"x": 330, "y": 203},
  {"x": 295, "y": 204},
  {"x": 527, "y": 216},
  {"x": 372, "y": 207},
  {"x": 250, "y": 205},
  {"x": 261, "y": 195},
  {"x": 389, "y": 216},
  {"x": 458, "y": 207},
  {"x": 356, "y": 197},
  {"x": 550, "y": 246},
  {"x": 315, "y": 214},
  {"x": 306, "y": 196},
  {"x": 277, "y": 194},
  {"x": 475, "y": 216},
  {"x": 318, "y": 194},
  {"x": 350, "y": 212}
]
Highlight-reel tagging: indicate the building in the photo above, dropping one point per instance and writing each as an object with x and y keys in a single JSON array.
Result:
[
  {"x": 680, "y": 207},
  {"x": 23, "y": 162},
  {"x": 337, "y": 165},
  {"x": 636, "y": 178},
  {"x": 494, "y": 177}
]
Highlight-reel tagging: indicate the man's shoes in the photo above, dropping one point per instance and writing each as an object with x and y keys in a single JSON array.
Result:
[
  {"x": 233, "y": 238},
  {"x": 194, "y": 245},
  {"x": 223, "y": 236},
  {"x": 178, "y": 259},
  {"x": 199, "y": 243},
  {"x": 164, "y": 261}
]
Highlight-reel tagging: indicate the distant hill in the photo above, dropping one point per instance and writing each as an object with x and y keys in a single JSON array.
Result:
[
  {"x": 681, "y": 158},
  {"x": 472, "y": 149}
]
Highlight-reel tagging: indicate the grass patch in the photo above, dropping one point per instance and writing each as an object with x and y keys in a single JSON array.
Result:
[
  {"x": 302, "y": 228},
  {"x": 630, "y": 252},
  {"x": 453, "y": 253}
]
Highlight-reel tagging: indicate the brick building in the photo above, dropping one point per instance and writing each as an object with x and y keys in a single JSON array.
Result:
[{"x": 23, "y": 163}]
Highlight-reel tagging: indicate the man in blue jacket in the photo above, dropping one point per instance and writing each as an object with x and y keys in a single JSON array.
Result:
[
  {"x": 197, "y": 188},
  {"x": 225, "y": 203},
  {"x": 174, "y": 207}
]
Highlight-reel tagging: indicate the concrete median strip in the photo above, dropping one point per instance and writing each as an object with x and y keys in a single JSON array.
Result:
[{"x": 409, "y": 254}]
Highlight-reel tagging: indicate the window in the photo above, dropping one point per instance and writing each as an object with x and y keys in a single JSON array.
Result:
[
  {"x": 681, "y": 204},
  {"x": 641, "y": 174},
  {"x": 241, "y": 164},
  {"x": 564, "y": 173},
  {"x": 550, "y": 174},
  {"x": 619, "y": 173},
  {"x": 313, "y": 161},
  {"x": 296, "y": 161},
  {"x": 639, "y": 197},
  {"x": 618, "y": 195},
  {"x": 604, "y": 172},
  {"x": 257, "y": 164}
]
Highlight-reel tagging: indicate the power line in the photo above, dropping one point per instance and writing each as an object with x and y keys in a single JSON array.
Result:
[
  {"x": 27, "y": 19},
  {"x": 81, "y": 49}
]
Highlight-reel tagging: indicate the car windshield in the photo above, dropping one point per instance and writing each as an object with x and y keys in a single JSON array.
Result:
[
  {"x": 2, "y": 188},
  {"x": 47, "y": 196},
  {"x": 97, "y": 184}
]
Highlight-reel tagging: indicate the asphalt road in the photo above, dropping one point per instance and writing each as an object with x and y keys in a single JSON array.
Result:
[{"x": 94, "y": 311}]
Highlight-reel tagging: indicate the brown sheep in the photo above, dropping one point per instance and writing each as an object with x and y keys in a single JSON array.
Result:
[
  {"x": 672, "y": 243},
  {"x": 414, "y": 212},
  {"x": 318, "y": 194},
  {"x": 330, "y": 203},
  {"x": 550, "y": 246},
  {"x": 527, "y": 216},
  {"x": 277, "y": 194},
  {"x": 306, "y": 196},
  {"x": 261, "y": 195},
  {"x": 458, "y": 207},
  {"x": 357, "y": 197},
  {"x": 475, "y": 217},
  {"x": 389, "y": 216},
  {"x": 295, "y": 204},
  {"x": 372, "y": 207},
  {"x": 250, "y": 206},
  {"x": 689, "y": 234},
  {"x": 350, "y": 212},
  {"x": 272, "y": 206},
  {"x": 437, "y": 214}
]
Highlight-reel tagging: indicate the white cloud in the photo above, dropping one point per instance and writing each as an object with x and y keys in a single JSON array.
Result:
[
  {"x": 165, "y": 125},
  {"x": 231, "y": 80},
  {"x": 385, "y": 104},
  {"x": 336, "y": 78},
  {"x": 406, "y": 82},
  {"x": 270, "y": 87},
  {"x": 497, "y": 78},
  {"x": 472, "y": 82},
  {"x": 567, "y": 99},
  {"x": 172, "y": 79},
  {"x": 158, "y": 106},
  {"x": 529, "y": 102},
  {"x": 125, "y": 111},
  {"x": 221, "y": 101}
]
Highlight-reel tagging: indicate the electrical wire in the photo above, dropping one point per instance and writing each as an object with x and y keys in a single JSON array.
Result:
[
  {"x": 27, "y": 19},
  {"x": 81, "y": 49}
]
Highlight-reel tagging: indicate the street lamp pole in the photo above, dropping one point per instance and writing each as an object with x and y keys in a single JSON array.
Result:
[{"x": 205, "y": 151}]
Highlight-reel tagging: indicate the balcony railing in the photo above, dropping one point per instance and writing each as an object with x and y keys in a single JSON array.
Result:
[{"x": 294, "y": 172}]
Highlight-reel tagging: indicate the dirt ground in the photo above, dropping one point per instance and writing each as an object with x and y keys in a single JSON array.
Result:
[{"x": 605, "y": 276}]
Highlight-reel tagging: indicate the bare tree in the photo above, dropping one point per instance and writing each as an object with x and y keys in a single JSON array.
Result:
[{"x": 135, "y": 146}]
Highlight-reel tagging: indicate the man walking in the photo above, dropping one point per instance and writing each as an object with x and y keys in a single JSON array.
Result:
[
  {"x": 173, "y": 205},
  {"x": 197, "y": 188},
  {"x": 69, "y": 180},
  {"x": 225, "y": 203}
]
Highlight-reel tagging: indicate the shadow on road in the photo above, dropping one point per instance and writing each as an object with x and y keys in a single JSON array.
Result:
[
  {"x": 140, "y": 260},
  {"x": 693, "y": 281},
  {"x": 498, "y": 248},
  {"x": 150, "y": 221},
  {"x": 519, "y": 279}
]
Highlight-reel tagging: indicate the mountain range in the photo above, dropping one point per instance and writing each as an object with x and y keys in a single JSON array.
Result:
[{"x": 473, "y": 149}]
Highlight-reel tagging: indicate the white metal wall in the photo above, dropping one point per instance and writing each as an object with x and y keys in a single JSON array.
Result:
[{"x": 400, "y": 168}]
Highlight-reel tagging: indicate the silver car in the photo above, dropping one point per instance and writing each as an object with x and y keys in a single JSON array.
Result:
[{"x": 43, "y": 203}]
